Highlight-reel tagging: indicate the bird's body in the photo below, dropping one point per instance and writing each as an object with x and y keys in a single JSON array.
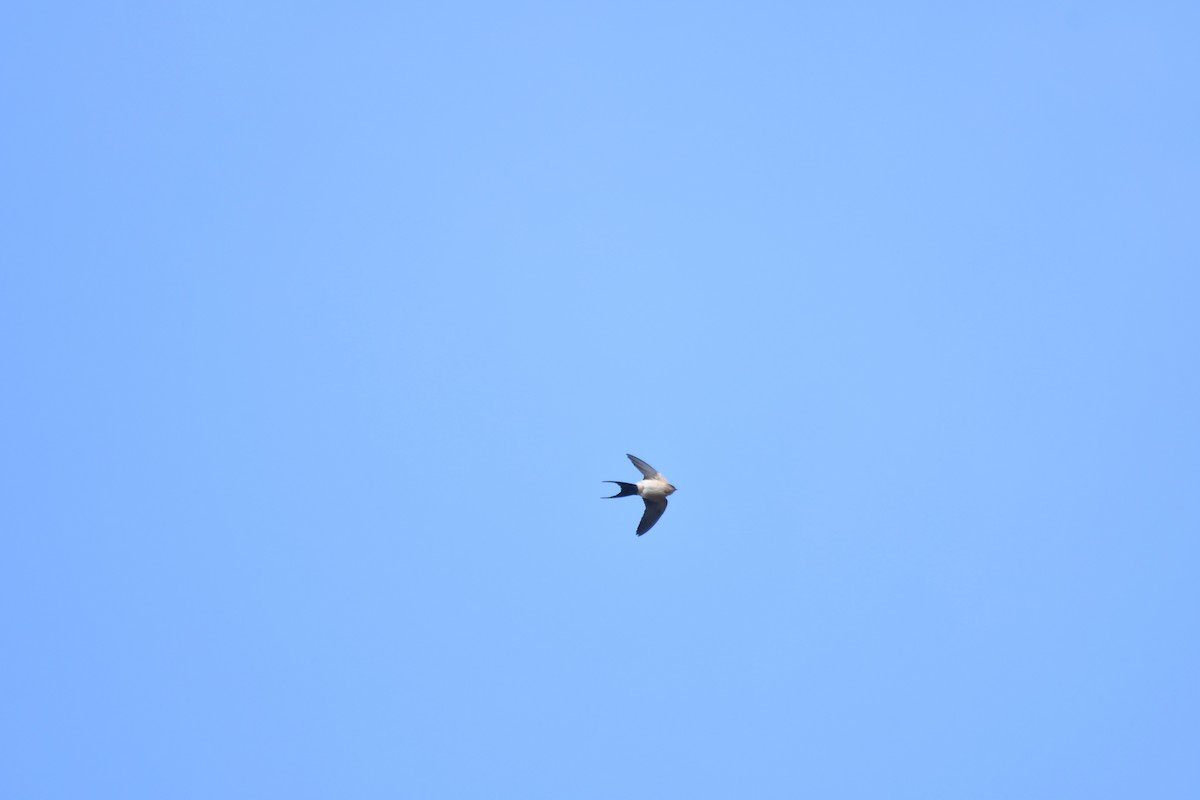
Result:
[{"x": 653, "y": 490}]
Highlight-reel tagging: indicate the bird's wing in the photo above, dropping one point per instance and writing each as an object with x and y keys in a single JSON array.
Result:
[
  {"x": 647, "y": 470},
  {"x": 654, "y": 510}
]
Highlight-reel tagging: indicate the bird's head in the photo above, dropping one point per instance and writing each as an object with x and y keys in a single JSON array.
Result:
[{"x": 671, "y": 488}]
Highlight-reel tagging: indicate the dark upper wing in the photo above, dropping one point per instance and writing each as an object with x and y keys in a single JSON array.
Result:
[
  {"x": 654, "y": 510},
  {"x": 645, "y": 468}
]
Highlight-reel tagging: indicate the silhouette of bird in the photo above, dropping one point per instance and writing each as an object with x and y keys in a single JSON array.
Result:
[{"x": 653, "y": 490}]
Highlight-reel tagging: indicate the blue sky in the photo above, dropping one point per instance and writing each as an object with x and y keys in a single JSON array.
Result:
[{"x": 321, "y": 327}]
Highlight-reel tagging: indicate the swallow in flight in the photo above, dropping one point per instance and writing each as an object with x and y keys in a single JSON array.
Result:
[{"x": 653, "y": 490}]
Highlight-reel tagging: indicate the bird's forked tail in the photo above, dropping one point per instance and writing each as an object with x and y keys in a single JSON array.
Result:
[{"x": 627, "y": 489}]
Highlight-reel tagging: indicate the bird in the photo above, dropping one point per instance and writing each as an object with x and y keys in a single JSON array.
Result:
[{"x": 653, "y": 490}]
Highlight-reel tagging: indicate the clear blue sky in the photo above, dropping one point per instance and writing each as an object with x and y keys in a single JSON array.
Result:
[{"x": 321, "y": 325}]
